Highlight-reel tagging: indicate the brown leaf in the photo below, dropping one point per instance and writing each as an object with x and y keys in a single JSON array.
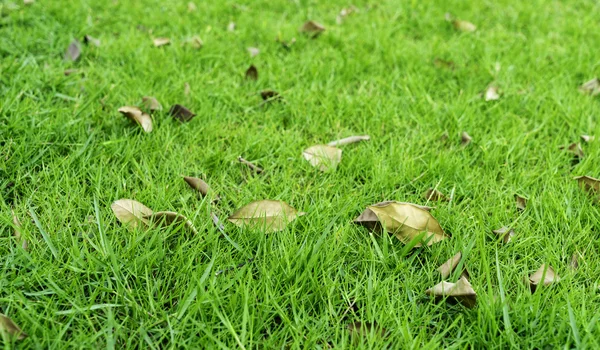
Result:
[
  {"x": 73, "y": 51},
  {"x": 250, "y": 165},
  {"x": 590, "y": 185},
  {"x": 270, "y": 215},
  {"x": 521, "y": 202},
  {"x": 9, "y": 327},
  {"x": 191, "y": 7},
  {"x": 587, "y": 138},
  {"x": 323, "y": 157},
  {"x": 270, "y": 95},
  {"x": 543, "y": 276},
  {"x": 465, "y": 138},
  {"x": 575, "y": 260},
  {"x": 506, "y": 233},
  {"x": 434, "y": 195},
  {"x": 252, "y": 73},
  {"x": 17, "y": 230},
  {"x": 349, "y": 140},
  {"x": 491, "y": 93},
  {"x": 231, "y": 27},
  {"x": 313, "y": 29},
  {"x": 591, "y": 87},
  {"x": 136, "y": 114},
  {"x": 253, "y": 51},
  {"x": 461, "y": 292},
  {"x": 158, "y": 42},
  {"x": 151, "y": 104},
  {"x": 194, "y": 42},
  {"x": 131, "y": 213},
  {"x": 576, "y": 149},
  {"x": 449, "y": 266},
  {"x": 370, "y": 220},
  {"x": 90, "y": 40},
  {"x": 441, "y": 63},
  {"x": 181, "y": 113},
  {"x": 197, "y": 184},
  {"x": 363, "y": 329},
  {"x": 408, "y": 221},
  {"x": 168, "y": 218}
]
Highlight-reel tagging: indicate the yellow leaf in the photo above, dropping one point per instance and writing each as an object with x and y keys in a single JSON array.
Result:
[
  {"x": 323, "y": 157},
  {"x": 270, "y": 215},
  {"x": 130, "y": 212},
  {"x": 136, "y": 114}
]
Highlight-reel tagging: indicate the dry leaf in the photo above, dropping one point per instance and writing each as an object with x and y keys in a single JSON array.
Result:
[
  {"x": 587, "y": 138},
  {"x": 138, "y": 116},
  {"x": 186, "y": 89},
  {"x": 252, "y": 73},
  {"x": 9, "y": 327},
  {"x": 231, "y": 26},
  {"x": 521, "y": 202},
  {"x": 270, "y": 95},
  {"x": 574, "y": 148},
  {"x": 197, "y": 184},
  {"x": 589, "y": 184},
  {"x": 434, "y": 195},
  {"x": 168, "y": 218},
  {"x": 461, "y": 292},
  {"x": 151, "y": 104},
  {"x": 491, "y": 93},
  {"x": 449, "y": 266},
  {"x": 506, "y": 233},
  {"x": 130, "y": 212},
  {"x": 73, "y": 51},
  {"x": 591, "y": 87},
  {"x": 543, "y": 276},
  {"x": 575, "y": 260},
  {"x": 408, "y": 221},
  {"x": 363, "y": 329},
  {"x": 349, "y": 140},
  {"x": 90, "y": 40},
  {"x": 465, "y": 138},
  {"x": 370, "y": 220},
  {"x": 270, "y": 215},
  {"x": 191, "y": 7},
  {"x": 250, "y": 165},
  {"x": 17, "y": 230},
  {"x": 464, "y": 26},
  {"x": 158, "y": 42},
  {"x": 313, "y": 29},
  {"x": 194, "y": 42},
  {"x": 181, "y": 113},
  {"x": 253, "y": 51},
  {"x": 323, "y": 157}
]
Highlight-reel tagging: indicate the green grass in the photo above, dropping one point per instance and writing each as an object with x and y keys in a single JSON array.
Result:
[{"x": 88, "y": 282}]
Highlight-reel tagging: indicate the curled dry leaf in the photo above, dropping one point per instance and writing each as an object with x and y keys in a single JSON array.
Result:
[
  {"x": 587, "y": 138},
  {"x": 449, "y": 266},
  {"x": 574, "y": 148},
  {"x": 136, "y": 114},
  {"x": 252, "y": 73},
  {"x": 231, "y": 27},
  {"x": 131, "y": 213},
  {"x": 461, "y": 292},
  {"x": 370, "y": 220},
  {"x": 17, "y": 230},
  {"x": 251, "y": 165},
  {"x": 270, "y": 215},
  {"x": 73, "y": 51},
  {"x": 590, "y": 185},
  {"x": 197, "y": 184},
  {"x": 323, "y": 157},
  {"x": 194, "y": 42},
  {"x": 168, "y": 218},
  {"x": 9, "y": 327},
  {"x": 363, "y": 329},
  {"x": 521, "y": 202},
  {"x": 90, "y": 40},
  {"x": 181, "y": 113},
  {"x": 506, "y": 233},
  {"x": 151, "y": 104},
  {"x": 465, "y": 138},
  {"x": 545, "y": 276},
  {"x": 491, "y": 93},
  {"x": 408, "y": 221},
  {"x": 270, "y": 95},
  {"x": 158, "y": 42},
  {"x": 591, "y": 87},
  {"x": 349, "y": 140},
  {"x": 441, "y": 63},
  {"x": 312, "y": 28},
  {"x": 253, "y": 51},
  {"x": 434, "y": 195}
]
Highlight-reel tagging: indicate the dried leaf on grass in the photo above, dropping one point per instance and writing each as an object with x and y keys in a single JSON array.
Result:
[
  {"x": 312, "y": 28},
  {"x": 591, "y": 87},
  {"x": 90, "y": 40},
  {"x": 506, "y": 233},
  {"x": 169, "y": 218},
  {"x": 363, "y": 329},
  {"x": 194, "y": 42},
  {"x": 521, "y": 202},
  {"x": 323, "y": 157},
  {"x": 270, "y": 95},
  {"x": 349, "y": 140},
  {"x": 10, "y": 328},
  {"x": 131, "y": 213},
  {"x": 197, "y": 184},
  {"x": 17, "y": 230},
  {"x": 574, "y": 265},
  {"x": 587, "y": 138},
  {"x": 434, "y": 195},
  {"x": 181, "y": 113},
  {"x": 138, "y": 116},
  {"x": 575, "y": 149},
  {"x": 158, "y": 42},
  {"x": 187, "y": 89},
  {"x": 191, "y": 7},
  {"x": 151, "y": 104},
  {"x": 73, "y": 51},
  {"x": 589, "y": 184},
  {"x": 252, "y": 73},
  {"x": 491, "y": 93},
  {"x": 270, "y": 215},
  {"x": 449, "y": 266},
  {"x": 461, "y": 292},
  {"x": 465, "y": 138},
  {"x": 544, "y": 276},
  {"x": 345, "y": 12},
  {"x": 370, "y": 220}
]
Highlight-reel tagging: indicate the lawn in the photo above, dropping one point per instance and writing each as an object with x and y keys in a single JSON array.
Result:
[{"x": 397, "y": 71}]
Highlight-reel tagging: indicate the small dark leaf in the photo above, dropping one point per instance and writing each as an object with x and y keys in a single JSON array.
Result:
[
  {"x": 197, "y": 184},
  {"x": 434, "y": 195},
  {"x": 521, "y": 202},
  {"x": 73, "y": 51},
  {"x": 181, "y": 113},
  {"x": 465, "y": 138},
  {"x": 313, "y": 29},
  {"x": 252, "y": 73},
  {"x": 269, "y": 95}
]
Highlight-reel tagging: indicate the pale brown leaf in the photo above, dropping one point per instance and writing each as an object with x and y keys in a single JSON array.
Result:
[
  {"x": 449, "y": 266},
  {"x": 312, "y": 28},
  {"x": 181, "y": 113},
  {"x": 464, "y": 26},
  {"x": 345, "y": 12},
  {"x": 506, "y": 233},
  {"x": 465, "y": 138},
  {"x": 363, "y": 329},
  {"x": 168, "y": 218},
  {"x": 17, "y": 230},
  {"x": 575, "y": 149},
  {"x": 491, "y": 93},
  {"x": 461, "y": 292},
  {"x": 197, "y": 184},
  {"x": 270, "y": 215},
  {"x": 370, "y": 220},
  {"x": 434, "y": 195},
  {"x": 131, "y": 213},
  {"x": 591, "y": 87},
  {"x": 545, "y": 276},
  {"x": 521, "y": 202},
  {"x": 194, "y": 42},
  {"x": 253, "y": 51},
  {"x": 158, "y": 42},
  {"x": 323, "y": 157},
  {"x": 589, "y": 184},
  {"x": 575, "y": 260},
  {"x": 73, "y": 51},
  {"x": 349, "y": 140},
  {"x": 10, "y": 328},
  {"x": 252, "y": 73},
  {"x": 587, "y": 138},
  {"x": 138, "y": 116},
  {"x": 90, "y": 40},
  {"x": 151, "y": 104},
  {"x": 28, "y": 2}
]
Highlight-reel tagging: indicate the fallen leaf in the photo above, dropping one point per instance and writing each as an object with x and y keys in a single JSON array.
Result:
[
  {"x": 168, "y": 218},
  {"x": 465, "y": 138},
  {"x": 17, "y": 230},
  {"x": 191, "y": 7},
  {"x": 521, "y": 202},
  {"x": 370, "y": 220},
  {"x": 449, "y": 266},
  {"x": 194, "y": 42},
  {"x": 197, "y": 184},
  {"x": 158, "y": 42},
  {"x": 323, "y": 157},
  {"x": 9, "y": 327},
  {"x": 434, "y": 195},
  {"x": 181, "y": 113},
  {"x": 138, "y": 116},
  {"x": 408, "y": 221},
  {"x": 186, "y": 89},
  {"x": 440, "y": 63},
  {"x": 231, "y": 27},
  {"x": 491, "y": 93},
  {"x": 545, "y": 276},
  {"x": 363, "y": 329},
  {"x": 270, "y": 215},
  {"x": 253, "y": 51},
  {"x": 575, "y": 149},
  {"x": 269, "y": 95},
  {"x": 313, "y": 29},
  {"x": 151, "y": 104},
  {"x": 461, "y": 292},
  {"x": 587, "y": 138},
  {"x": 464, "y": 26},
  {"x": 589, "y": 184},
  {"x": 90, "y": 40},
  {"x": 506, "y": 233},
  {"x": 250, "y": 165},
  {"x": 130, "y": 212},
  {"x": 252, "y": 73},
  {"x": 575, "y": 260},
  {"x": 73, "y": 51},
  {"x": 591, "y": 87},
  {"x": 349, "y": 140}
]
